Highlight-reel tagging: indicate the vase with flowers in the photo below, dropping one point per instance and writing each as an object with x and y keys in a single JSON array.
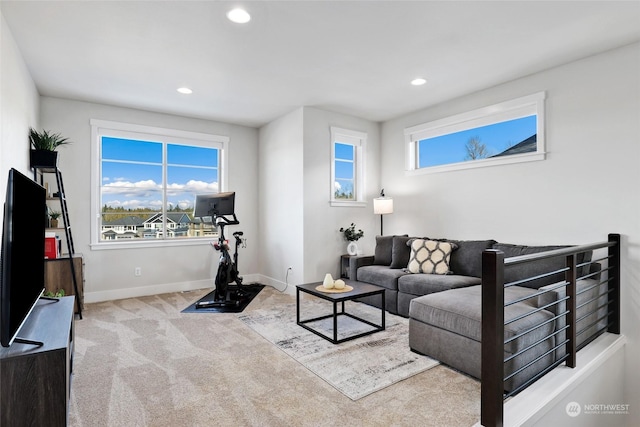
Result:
[{"x": 352, "y": 236}]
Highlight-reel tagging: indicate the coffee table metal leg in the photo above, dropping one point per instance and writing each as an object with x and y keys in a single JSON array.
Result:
[
  {"x": 297, "y": 306},
  {"x": 383, "y": 309},
  {"x": 335, "y": 321}
]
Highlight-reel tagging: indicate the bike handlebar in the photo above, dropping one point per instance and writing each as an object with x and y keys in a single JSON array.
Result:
[{"x": 223, "y": 220}]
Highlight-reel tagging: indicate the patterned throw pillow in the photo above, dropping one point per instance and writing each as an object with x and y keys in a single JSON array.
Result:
[{"x": 430, "y": 257}]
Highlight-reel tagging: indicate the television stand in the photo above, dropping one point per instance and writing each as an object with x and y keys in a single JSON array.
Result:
[
  {"x": 36, "y": 382},
  {"x": 31, "y": 342}
]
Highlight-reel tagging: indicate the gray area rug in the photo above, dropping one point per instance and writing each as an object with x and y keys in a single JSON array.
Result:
[{"x": 356, "y": 368}]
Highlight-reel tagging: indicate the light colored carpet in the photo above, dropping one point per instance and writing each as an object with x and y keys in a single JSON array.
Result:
[
  {"x": 356, "y": 368},
  {"x": 141, "y": 362}
]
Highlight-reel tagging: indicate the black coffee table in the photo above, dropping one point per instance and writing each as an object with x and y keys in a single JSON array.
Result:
[{"x": 359, "y": 290}]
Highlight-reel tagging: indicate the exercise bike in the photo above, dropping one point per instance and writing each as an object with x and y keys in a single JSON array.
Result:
[
  {"x": 220, "y": 207},
  {"x": 225, "y": 294}
]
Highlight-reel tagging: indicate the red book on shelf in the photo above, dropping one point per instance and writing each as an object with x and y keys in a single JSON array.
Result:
[{"x": 50, "y": 246}]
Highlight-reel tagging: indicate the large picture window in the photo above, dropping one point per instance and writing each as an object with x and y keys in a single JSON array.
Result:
[
  {"x": 146, "y": 180},
  {"x": 347, "y": 167},
  {"x": 509, "y": 132}
]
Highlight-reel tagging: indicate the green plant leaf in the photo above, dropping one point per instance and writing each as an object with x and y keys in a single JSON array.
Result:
[{"x": 46, "y": 140}]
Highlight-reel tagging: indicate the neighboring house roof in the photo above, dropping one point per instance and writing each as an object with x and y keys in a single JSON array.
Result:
[
  {"x": 528, "y": 145},
  {"x": 128, "y": 221},
  {"x": 175, "y": 217}
]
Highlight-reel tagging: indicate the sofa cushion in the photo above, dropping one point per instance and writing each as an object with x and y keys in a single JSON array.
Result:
[
  {"x": 459, "y": 311},
  {"x": 467, "y": 259},
  {"x": 430, "y": 256},
  {"x": 532, "y": 269},
  {"x": 423, "y": 284},
  {"x": 380, "y": 275},
  {"x": 382, "y": 252},
  {"x": 400, "y": 251}
]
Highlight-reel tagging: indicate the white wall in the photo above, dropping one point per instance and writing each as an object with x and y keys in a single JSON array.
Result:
[
  {"x": 280, "y": 195},
  {"x": 587, "y": 187},
  {"x": 109, "y": 274},
  {"x": 298, "y": 227},
  {"x": 18, "y": 108},
  {"x": 323, "y": 243}
]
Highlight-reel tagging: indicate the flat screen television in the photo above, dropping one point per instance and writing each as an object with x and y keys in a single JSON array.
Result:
[
  {"x": 217, "y": 204},
  {"x": 22, "y": 257}
]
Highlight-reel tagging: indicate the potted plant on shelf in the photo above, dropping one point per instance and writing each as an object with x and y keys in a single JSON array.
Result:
[
  {"x": 54, "y": 215},
  {"x": 352, "y": 236},
  {"x": 43, "y": 148}
]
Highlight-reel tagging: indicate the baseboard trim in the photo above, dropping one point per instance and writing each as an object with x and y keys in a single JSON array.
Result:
[
  {"x": 276, "y": 284},
  {"x": 165, "y": 288}
]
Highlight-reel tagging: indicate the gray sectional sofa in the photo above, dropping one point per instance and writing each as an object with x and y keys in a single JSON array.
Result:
[
  {"x": 387, "y": 268},
  {"x": 445, "y": 310}
]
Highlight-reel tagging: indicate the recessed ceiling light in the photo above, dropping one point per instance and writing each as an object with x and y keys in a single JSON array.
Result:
[
  {"x": 185, "y": 90},
  {"x": 239, "y": 16},
  {"x": 418, "y": 81}
]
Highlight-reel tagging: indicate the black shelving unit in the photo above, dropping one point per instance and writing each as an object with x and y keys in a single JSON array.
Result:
[{"x": 60, "y": 194}]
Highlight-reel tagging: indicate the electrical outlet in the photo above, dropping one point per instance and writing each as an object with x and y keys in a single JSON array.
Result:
[{"x": 137, "y": 272}]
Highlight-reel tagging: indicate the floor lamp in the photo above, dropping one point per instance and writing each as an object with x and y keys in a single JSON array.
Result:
[{"x": 382, "y": 206}]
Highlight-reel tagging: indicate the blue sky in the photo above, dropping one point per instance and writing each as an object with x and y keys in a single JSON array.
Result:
[
  {"x": 497, "y": 137},
  {"x": 344, "y": 169},
  {"x": 132, "y": 173}
]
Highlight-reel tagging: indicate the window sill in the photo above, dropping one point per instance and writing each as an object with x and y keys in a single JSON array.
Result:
[
  {"x": 351, "y": 204},
  {"x": 521, "y": 158},
  {"x": 151, "y": 243}
]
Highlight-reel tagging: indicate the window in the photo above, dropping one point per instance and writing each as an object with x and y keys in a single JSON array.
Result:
[
  {"x": 509, "y": 132},
  {"x": 347, "y": 167},
  {"x": 146, "y": 180}
]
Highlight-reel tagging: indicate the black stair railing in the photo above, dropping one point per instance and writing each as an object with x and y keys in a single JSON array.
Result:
[{"x": 493, "y": 318}]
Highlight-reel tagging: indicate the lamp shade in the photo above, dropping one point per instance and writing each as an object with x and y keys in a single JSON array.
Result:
[{"x": 382, "y": 206}]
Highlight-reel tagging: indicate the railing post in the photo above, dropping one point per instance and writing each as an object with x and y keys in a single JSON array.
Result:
[
  {"x": 492, "y": 368},
  {"x": 614, "y": 284},
  {"x": 570, "y": 277}
]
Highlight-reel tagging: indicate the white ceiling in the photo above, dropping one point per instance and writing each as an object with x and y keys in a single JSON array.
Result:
[{"x": 353, "y": 57}]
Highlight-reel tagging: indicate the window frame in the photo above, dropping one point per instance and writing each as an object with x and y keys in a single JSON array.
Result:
[
  {"x": 359, "y": 141},
  {"x": 101, "y": 128},
  {"x": 504, "y": 111}
]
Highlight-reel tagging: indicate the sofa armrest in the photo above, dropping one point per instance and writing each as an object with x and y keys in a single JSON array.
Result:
[{"x": 356, "y": 262}]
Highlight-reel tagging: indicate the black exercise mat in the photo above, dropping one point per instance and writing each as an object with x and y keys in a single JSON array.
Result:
[{"x": 249, "y": 292}]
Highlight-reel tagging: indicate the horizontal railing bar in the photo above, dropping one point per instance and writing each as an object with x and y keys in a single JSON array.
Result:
[
  {"x": 591, "y": 338},
  {"x": 589, "y": 302},
  {"x": 606, "y": 257},
  {"x": 544, "y": 307},
  {"x": 537, "y": 359},
  {"x": 536, "y": 377},
  {"x": 537, "y": 294},
  {"x": 531, "y": 279},
  {"x": 586, "y": 276},
  {"x": 529, "y": 347},
  {"x": 595, "y": 285},
  {"x": 584, "y": 263},
  {"x": 556, "y": 252},
  {"x": 521, "y": 334},
  {"x": 592, "y": 324},
  {"x": 553, "y": 319}
]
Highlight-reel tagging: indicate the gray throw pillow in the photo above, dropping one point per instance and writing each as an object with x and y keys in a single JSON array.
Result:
[
  {"x": 400, "y": 251},
  {"x": 382, "y": 254},
  {"x": 467, "y": 259}
]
